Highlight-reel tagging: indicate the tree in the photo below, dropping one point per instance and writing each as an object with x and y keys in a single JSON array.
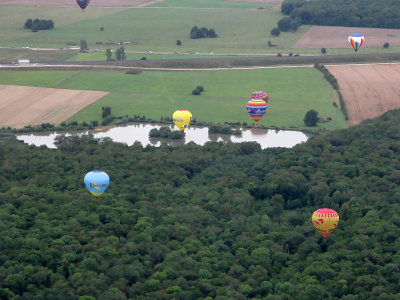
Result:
[
  {"x": 178, "y": 43},
  {"x": 269, "y": 43},
  {"x": 120, "y": 54},
  {"x": 108, "y": 54},
  {"x": 83, "y": 45},
  {"x": 323, "y": 50},
  {"x": 285, "y": 24},
  {"x": 386, "y": 45},
  {"x": 101, "y": 28},
  {"x": 28, "y": 24},
  {"x": 275, "y": 32},
  {"x": 311, "y": 118},
  {"x": 106, "y": 111}
]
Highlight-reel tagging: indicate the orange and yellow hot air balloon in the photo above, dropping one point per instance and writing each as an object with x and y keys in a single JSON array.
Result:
[{"x": 325, "y": 220}]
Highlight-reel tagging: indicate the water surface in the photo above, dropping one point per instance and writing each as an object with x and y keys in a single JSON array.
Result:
[{"x": 130, "y": 134}]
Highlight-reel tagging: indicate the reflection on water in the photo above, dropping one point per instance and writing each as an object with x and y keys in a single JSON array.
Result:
[{"x": 140, "y": 132}]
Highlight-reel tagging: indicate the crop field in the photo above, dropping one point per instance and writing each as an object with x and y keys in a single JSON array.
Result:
[
  {"x": 25, "y": 105},
  {"x": 337, "y": 37},
  {"x": 155, "y": 29},
  {"x": 97, "y": 3},
  {"x": 293, "y": 91},
  {"x": 368, "y": 90},
  {"x": 215, "y": 3}
]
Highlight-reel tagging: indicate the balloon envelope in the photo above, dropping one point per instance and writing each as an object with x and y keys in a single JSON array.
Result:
[
  {"x": 256, "y": 109},
  {"x": 96, "y": 182},
  {"x": 83, "y": 3},
  {"x": 260, "y": 95},
  {"x": 325, "y": 220},
  {"x": 182, "y": 119},
  {"x": 356, "y": 40}
]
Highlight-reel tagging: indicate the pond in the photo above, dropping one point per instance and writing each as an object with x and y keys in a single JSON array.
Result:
[{"x": 140, "y": 133}]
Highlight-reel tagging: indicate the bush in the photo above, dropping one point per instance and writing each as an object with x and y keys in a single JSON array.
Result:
[
  {"x": 107, "y": 120},
  {"x": 323, "y": 50},
  {"x": 198, "y": 90},
  {"x": 386, "y": 45},
  {"x": 133, "y": 72},
  {"x": 275, "y": 32}
]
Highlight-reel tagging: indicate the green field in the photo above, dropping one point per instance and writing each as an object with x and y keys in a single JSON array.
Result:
[
  {"x": 156, "y": 29},
  {"x": 293, "y": 91},
  {"x": 99, "y": 56}
]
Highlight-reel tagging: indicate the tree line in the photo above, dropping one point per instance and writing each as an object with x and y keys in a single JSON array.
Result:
[
  {"x": 219, "y": 221},
  {"x": 355, "y": 13}
]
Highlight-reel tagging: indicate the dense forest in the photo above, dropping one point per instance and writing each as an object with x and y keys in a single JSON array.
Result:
[
  {"x": 354, "y": 13},
  {"x": 219, "y": 221}
]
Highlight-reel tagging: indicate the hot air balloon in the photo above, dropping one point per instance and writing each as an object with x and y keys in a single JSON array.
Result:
[
  {"x": 325, "y": 220},
  {"x": 96, "y": 182},
  {"x": 256, "y": 109},
  {"x": 356, "y": 40},
  {"x": 260, "y": 95},
  {"x": 83, "y": 3},
  {"x": 182, "y": 119}
]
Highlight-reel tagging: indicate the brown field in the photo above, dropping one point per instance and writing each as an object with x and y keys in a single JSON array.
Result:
[
  {"x": 368, "y": 90},
  {"x": 24, "y": 105},
  {"x": 98, "y": 3},
  {"x": 337, "y": 37},
  {"x": 259, "y": 1}
]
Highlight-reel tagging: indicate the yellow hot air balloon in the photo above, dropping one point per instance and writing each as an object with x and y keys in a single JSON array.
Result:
[
  {"x": 325, "y": 220},
  {"x": 182, "y": 119}
]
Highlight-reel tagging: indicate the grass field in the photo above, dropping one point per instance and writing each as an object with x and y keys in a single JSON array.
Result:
[
  {"x": 156, "y": 29},
  {"x": 12, "y": 55},
  {"x": 240, "y": 30},
  {"x": 99, "y": 56},
  {"x": 293, "y": 91}
]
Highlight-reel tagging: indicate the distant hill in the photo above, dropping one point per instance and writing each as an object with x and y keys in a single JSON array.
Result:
[
  {"x": 220, "y": 221},
  {"x": 355, "y": 13}
]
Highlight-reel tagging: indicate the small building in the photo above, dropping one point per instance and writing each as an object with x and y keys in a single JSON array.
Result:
[{"x": 23, "y": 62}]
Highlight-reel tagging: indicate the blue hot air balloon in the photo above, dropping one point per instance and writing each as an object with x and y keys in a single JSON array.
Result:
[{"x": 96, "y": 182}]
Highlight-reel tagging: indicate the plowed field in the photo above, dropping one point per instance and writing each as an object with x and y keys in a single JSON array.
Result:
[
  {"x": 368, "y": 90},
  {"x": 24, "y": 105},
  {"x": 98, "y": 3},
  {"x": 337, "y": 37}
]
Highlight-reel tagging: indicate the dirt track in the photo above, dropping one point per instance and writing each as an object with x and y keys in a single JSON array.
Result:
[
  {"x": 337, "y": 37},
  {"x": 72, "y": 3},
  {"x": 25, "y": 105},
  {"x": 368, "y": 90}
]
